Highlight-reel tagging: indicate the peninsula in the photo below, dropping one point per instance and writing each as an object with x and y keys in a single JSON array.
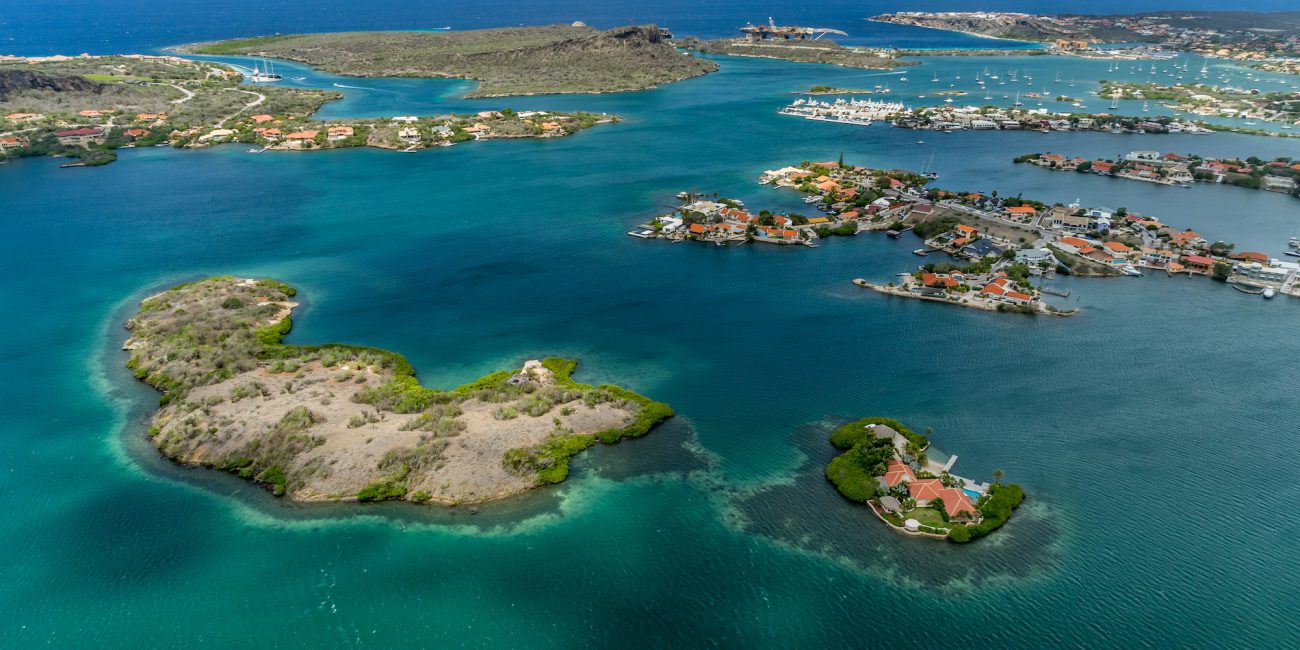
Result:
[
  {"x": 1234, "y": 34},
  {"x": 85, "y": 107},
  {"x": 886, "y": 466},
  {"x": 1278, "y": 175},
  {"x": 801, "y": 51},
  {"x": 345, "y": 423},
  {"x": 508, "y": 61}
]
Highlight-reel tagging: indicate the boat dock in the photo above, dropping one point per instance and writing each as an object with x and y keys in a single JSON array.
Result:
[{"x": 852, "y": 111}]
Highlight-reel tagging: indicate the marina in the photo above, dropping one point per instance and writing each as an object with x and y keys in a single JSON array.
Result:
[{"x": 858, "y": 112}]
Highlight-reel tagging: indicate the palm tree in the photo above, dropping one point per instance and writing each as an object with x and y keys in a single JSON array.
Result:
[{"x": 997, "y": 475}]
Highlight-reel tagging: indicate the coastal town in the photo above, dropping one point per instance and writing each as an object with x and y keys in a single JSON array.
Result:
[
  {"x": 1278, "y": 175},
  {"x": 998, "y": 245},
  {"x": 888, "y": 467},
  {"x": 1208, "y": 100},
  {"x": 86, "y": 107},
  {"x": 1241, "y": 36},
  {"x": 947, "y": 117}
]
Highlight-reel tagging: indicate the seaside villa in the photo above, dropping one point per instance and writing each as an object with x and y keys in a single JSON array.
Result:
[{"x": 910, "y": 492}]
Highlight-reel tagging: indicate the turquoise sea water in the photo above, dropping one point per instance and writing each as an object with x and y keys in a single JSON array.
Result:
[{"x": 1154, "y": 432}]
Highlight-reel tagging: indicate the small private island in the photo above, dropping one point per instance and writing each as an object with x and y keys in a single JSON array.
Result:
[
  {"x": 86, "y": 107},
  {"x": 886, "y": 467},
  {"x": 508, "y": 61},
  {"x": 346, "y": 423}
]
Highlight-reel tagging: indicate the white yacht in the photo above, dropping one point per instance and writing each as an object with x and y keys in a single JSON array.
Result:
[{"x": 266, "y": 75}]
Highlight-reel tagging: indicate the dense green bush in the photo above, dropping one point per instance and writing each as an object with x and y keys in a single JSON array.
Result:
[
  {"x": 1002, "y": 500},
  {"x": 854, "y": 432}
]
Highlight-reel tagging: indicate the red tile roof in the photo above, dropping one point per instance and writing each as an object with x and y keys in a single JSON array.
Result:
[
  {"x": 925, "y": 489},
  {"x": 897, "y": 472}
]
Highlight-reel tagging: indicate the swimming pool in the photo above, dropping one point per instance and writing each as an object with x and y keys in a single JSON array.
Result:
[{"x": 975, "y": 496}]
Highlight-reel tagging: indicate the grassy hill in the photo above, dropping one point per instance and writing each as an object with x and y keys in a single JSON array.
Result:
[{"x": 509, "y": 61}]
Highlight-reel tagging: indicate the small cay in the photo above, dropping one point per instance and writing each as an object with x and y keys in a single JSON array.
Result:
[{"x": 344, "y": 423}]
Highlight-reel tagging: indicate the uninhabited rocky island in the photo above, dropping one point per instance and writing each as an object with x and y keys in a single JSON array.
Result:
[
  {"x": 346, "y": 423},
  {"x": 886, "y": 466},
  {"x": 506, "y": 61},
  {"x": 86, "y": 107}
]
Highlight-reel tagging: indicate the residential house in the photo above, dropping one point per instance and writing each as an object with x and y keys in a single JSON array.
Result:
[
  {"x": 1198, "y": 264},
  {"x": 301, "y": 139},
  {"x": 1062, "y": 217},
  {"x": 982, "y": 248},
  {"x": 12, "y": 142},
  {"x": 80, "y": 137},
  {"x": 339, "y": 133},
  {"x": 1034, "y": 255},
  {"x": 409, "y": 135}
]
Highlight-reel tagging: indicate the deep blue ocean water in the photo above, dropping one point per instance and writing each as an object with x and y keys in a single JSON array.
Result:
[{"x": 1155, "y": 432}]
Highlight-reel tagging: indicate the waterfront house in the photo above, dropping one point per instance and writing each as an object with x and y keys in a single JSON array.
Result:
[
  {"x": 1271, "y": 271},
  {"x": 216, "y": 135},
  {"x": 405, "y": 119},
  {"x": 1021, "y": 211},
  {"x": 940, "y": 280},
  {"x": 1117, "y": 249},
  {"x": 337, "y": 133},
  {"x": 886, "y": 431},
  {"x": 1062, "y": 217},
  {"x": 1250, "y": 256},
  {"x": 1157, "y": 258},
  {"x": 1072, "y": 244},
  {"x": 1198, "y": 263},
  {"x": 300, "y": 139},
  {"x": 925, "y": 490},
  {"x": 1034, "y": 256},
  {"x": 409, "y": 135},
  {"x": 897, "y": 472},
  {"x": 1000, "y": 290},
  {"x": 1187, "y": 238},
  {"x": 80, "y": 137},
  {"x": 12, "y": 142},
  {"x": 982, "y": 248},
  {"x": 964, "y": 230}
]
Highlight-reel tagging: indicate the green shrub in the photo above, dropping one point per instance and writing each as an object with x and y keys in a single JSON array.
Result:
[
  {"x": 959, "y": 534},
  {"x": 383, "y": 490},
  {"x": 275, "y": 478},
  {"x": 420, "y": 496}
]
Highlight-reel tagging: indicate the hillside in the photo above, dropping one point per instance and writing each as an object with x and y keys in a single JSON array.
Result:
[
  {"x": 1023, "y": 27},
  {"x": 509, "y": 61},
  {"x": 16, "y": 81}
]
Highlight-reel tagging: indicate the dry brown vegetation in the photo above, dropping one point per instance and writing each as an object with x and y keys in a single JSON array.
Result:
[{"x": 342, "y": 423}]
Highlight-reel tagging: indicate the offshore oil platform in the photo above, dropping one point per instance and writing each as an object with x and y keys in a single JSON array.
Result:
[{"x": 788, "y": 32}]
